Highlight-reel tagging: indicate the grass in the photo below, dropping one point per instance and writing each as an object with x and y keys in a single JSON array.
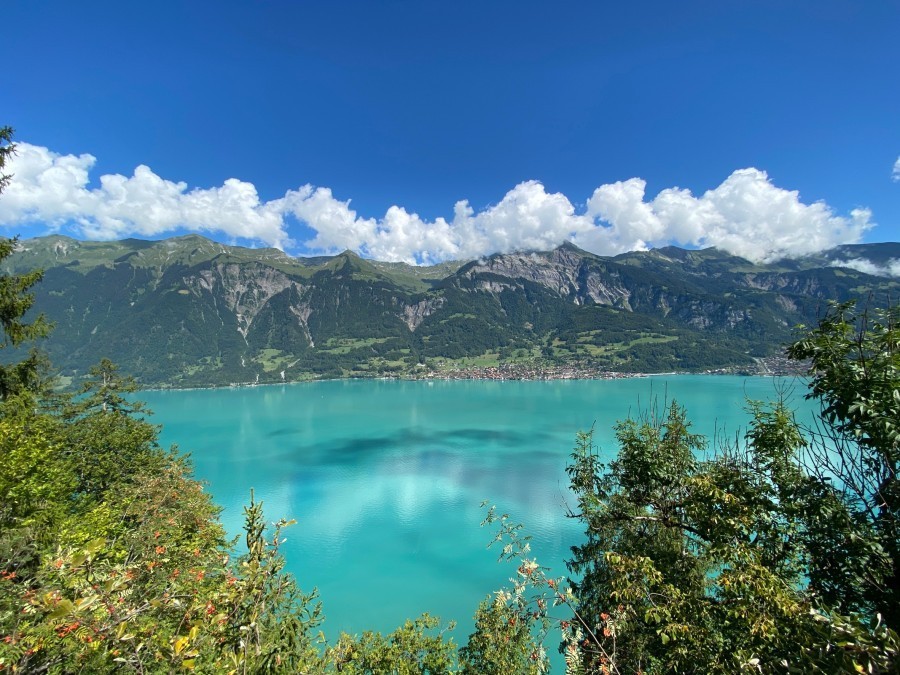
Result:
[
  {"x": 489, "y": 359},
  {"x": 273, "y": 359},
  {"x": 458, "y": 316},
  {"x": 205, "y": 364},
  {"x": 586, "y": 344},
  {"x": 653, "y": 338},
  {"x": 345, "y": 345}
]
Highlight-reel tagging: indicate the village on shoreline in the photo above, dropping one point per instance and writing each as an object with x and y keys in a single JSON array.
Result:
[{"x": 776, "y": 366}]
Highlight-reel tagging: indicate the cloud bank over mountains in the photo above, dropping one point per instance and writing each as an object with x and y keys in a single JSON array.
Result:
[
  {"x": 890, "y": 269},
  {"x": 746, "y": 215}
]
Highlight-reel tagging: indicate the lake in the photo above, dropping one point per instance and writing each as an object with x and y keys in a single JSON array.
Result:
[{"x": 386, "y": 478}]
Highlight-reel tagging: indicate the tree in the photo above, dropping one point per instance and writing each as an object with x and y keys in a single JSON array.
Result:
[
  {"x": 855, "y": 375},
  {"x": 105, "y": 390},
  {"x": 778, "y": 551},
  {"x": 503, "y": 641},
  {"x": 15, "y": 301},
  {"x": 7, "y": 150},
  {"x": 416, "y": 648}
]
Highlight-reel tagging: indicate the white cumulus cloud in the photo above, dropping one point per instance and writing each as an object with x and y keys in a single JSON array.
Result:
[
  {"x": 895, "y": 173},
  {"x": 527, "y": 218},
  {"x": 746, "y": 215},
  {"x": 53, "y": 189}
]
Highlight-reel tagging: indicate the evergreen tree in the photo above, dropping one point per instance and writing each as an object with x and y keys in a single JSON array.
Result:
[{"x": 15, "y": 301}]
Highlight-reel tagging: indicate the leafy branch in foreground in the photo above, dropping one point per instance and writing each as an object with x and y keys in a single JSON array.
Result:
[
  {"x": 855, "y": 449},
  {"x": 511, "y": 631},
  {"x": 777, "y": 554}
]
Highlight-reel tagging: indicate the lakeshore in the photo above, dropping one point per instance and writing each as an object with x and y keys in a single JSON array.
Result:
[{"x": 774, "y": 366}]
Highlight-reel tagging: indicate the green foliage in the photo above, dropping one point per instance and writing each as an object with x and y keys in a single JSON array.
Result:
[
  {"x": 855, "y": 370},
  {"x": 699, "y": 565},
  {"x": 35, "y": 484},
  {"x": 270, "y": 621},
  {"x": 511, "y": 627},
  {"x": 7, "y": 150},
  {"x": 117, "y": 596},
  {"x": 15, "y": 301},
  {"x": 503, "y": 641},
  {"x": 776, "y": 554},
  {"x": 105, "y": 435},
  {"x": 104, "y": 389},
  {"x": 413, "y": 649},
  {"x": 139, "y": 578},
  {"x": 32, "y": 478}
]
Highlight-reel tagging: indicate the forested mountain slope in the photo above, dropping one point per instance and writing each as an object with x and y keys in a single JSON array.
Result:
[{"x": 190, "y": 312}]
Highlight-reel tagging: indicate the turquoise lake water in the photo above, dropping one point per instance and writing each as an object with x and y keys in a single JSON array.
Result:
[{"x": 386, "y": 478}]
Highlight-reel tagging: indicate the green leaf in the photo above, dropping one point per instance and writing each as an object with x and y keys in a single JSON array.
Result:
[
  {"x": 95, "y": 546},
  {"x": 63, "y": 608}
]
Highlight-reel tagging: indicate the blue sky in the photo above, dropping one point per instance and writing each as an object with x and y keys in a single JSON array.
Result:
[{"x": 424, "y": 131}]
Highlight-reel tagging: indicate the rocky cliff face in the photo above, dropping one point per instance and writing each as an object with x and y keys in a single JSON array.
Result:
[
  {"x": 244, "y": 289},
  {"x": 188, "y": 311},
  {"x": 566, "y": 271},
  {"x": 415, "y": 313}
]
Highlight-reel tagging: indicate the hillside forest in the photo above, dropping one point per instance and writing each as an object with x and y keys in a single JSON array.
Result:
[{"x": 189, "y": 312}]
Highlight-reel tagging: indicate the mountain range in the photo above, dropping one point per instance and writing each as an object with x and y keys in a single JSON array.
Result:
[{"x": 187, "y": 311}]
